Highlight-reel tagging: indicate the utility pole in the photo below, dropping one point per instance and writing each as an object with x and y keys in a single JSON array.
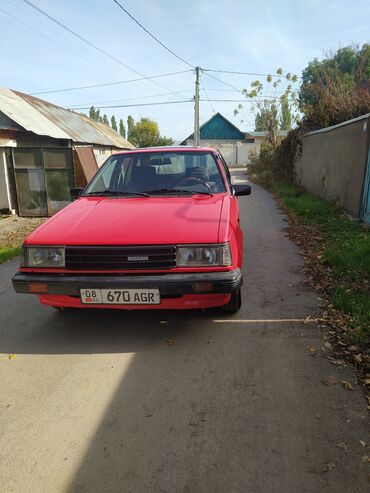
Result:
[{"x": 196, "y": 108}]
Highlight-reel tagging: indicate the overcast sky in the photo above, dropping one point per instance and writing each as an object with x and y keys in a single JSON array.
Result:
[{"x": 238, "y": 35}]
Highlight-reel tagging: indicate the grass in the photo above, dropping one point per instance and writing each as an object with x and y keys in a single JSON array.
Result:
[
  {"x": 357, "y": 306},
  {"x": 8, "y": 253},
  {"x": 346, "y": 250}
]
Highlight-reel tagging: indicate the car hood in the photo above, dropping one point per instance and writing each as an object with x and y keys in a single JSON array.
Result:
[{"x": 117, "y": 221}]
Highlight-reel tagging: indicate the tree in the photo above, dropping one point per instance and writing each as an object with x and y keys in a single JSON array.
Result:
[
  {"x": 94, "y": 114},
  {"x": 285, "y": 115},
  {"x": 114, "y": 123},
  {"x": 145, "y": 133},
  {"x": 105, "y": 120},
  {"x": 130, "y": 124},
  {"x": 276, "y": 108},
  {"x": 122, "y": 130},
  {"x": 336, "y": 88},
  {"x": 164, "y": 141},
  {"x": 266, "y": 116}
]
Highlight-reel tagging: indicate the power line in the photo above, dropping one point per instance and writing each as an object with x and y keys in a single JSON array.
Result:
[
  {"x": 239, "y": 100},
  {"x": 88, "y": 42},
  {"x": 152, "y": 35},
  {"x": 43, "y": 34},
  {"x": 130, "y": 99},
  {"x": 206, "y": 93},
  {"x": 95, "y": 103},
  {"x": 223, "y": 82},
  {"x": 242, "y": 73},
  {"x": 110, "y": 83},
  {"x": 180, "y": 91},
  {"x": 139, "y": 104},
  {"x": 172, "y": 102}
]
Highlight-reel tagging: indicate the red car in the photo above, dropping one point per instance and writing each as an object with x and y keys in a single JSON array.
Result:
[{"x": 155, "y": 228}]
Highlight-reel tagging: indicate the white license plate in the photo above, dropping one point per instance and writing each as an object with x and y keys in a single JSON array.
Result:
[{"x": 120, "y": 296}]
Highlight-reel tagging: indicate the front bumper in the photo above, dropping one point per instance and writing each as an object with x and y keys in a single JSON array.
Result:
[{"x": 169, "y": 285}]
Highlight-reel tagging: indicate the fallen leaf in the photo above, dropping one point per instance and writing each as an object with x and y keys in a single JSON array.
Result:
[
  {"x": 330, "y": 380},
  {"x": 170, "y": 341},
  {"x": 347, "y": 385},
  {"x": 343, "y": 446},
  {"x": 312, "y": 349},
  {"x": 363, "y": 443},
  {"x": 357, "y": 358},
  {"x": 337, "y": 362},
  {"x": 367, "y": 381},
  {"x": 12, "y": 356}
]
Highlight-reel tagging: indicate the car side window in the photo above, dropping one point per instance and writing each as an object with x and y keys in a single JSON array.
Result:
[{"x": 226, "y": 168}]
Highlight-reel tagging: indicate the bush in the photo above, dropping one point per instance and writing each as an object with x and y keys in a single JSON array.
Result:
[{"x": 274, "y": 163}]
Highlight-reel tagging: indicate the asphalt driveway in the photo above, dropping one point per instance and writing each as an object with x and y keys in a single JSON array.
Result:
[{"x": 182, "y": 401}]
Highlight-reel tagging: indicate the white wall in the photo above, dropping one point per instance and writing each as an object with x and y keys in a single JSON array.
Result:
[
  {"x": 234, "y": 153},
  {"x": 101, "y": 155},
  {"x": 4, "y": 194}
]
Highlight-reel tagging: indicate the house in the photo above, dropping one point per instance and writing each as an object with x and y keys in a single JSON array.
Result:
[
  {"x": 46, "y": 150},
  {"x": 233, "y": 144}
]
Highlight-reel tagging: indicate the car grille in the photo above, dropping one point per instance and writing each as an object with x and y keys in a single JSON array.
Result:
[{"x": 120, "y": 257}]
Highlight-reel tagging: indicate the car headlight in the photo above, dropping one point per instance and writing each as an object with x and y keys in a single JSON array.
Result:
[
  {"x": 203, "y": 255},
  {"x": 43, "y": 256}
]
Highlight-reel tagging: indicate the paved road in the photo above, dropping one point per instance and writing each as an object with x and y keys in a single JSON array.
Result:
[{"x": 99, "y": 401}]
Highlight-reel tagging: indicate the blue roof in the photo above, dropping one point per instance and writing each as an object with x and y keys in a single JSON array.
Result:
[{"x": 218, "y": 127}]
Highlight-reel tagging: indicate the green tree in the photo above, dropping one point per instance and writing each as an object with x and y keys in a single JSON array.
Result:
[
  {"x": 130, "y": 124},
  {"x": 105, "y": 120},
  {"x": 94, "y": 114},
  {"x": 336, "y": 88},
  {"x": 145, "y": 133},
  {"x": 114, "y": 123},
  {"x": 266, "y": 116},
  {"x": 285, "y": 115},
  {"x": 165, "y": 141},
  {"x": 122, "y": 130},
  {"x": 277, "y": 107}
]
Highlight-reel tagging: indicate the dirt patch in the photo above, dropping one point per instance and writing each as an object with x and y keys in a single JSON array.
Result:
[{"x": 13, "y": 229}]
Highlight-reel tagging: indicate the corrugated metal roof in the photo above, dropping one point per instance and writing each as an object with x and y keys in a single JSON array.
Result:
[{"x": 44, "y": 118}]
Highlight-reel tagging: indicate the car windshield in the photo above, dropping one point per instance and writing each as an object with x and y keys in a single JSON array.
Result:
[{"x": 158, "y": 173}]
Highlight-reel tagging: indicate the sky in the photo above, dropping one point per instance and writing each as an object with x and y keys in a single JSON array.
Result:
[{"x": 38, "y": 55}]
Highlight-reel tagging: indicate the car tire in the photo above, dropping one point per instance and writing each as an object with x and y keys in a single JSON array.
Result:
[{"x": 234, "y": 303}]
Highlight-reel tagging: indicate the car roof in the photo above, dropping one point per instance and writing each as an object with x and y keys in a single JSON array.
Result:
[{"x": 168, "y": 149}]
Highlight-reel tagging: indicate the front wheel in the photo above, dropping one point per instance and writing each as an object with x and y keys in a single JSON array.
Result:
[{"x": 234, "y": 303}]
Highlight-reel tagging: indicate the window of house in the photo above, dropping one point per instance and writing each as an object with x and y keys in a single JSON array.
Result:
[{"x": 43, "y": 178}]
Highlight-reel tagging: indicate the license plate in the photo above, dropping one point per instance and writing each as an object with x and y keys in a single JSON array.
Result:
[{"x": 120, "y": 296}]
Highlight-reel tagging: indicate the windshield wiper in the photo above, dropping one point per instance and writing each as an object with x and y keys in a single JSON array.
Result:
[
  {"x": 116, "y": 193},
  {"x": 175, "y": 191}
]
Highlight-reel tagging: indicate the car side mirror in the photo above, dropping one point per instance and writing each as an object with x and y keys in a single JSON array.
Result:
[
  {"x": 76, "y": 192},
  {"x": 242, "y": 190}
]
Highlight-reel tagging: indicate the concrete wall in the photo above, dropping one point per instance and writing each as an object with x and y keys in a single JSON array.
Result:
[
  {"x": 333, "y": 163},
  {"x": 234, "y": 153}
]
